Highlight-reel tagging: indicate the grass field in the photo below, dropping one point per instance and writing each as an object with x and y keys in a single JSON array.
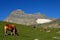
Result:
[{"x": 29, "y": 33}]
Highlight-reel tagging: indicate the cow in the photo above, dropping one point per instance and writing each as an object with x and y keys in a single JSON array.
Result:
[{"x": 11, "y": 28}]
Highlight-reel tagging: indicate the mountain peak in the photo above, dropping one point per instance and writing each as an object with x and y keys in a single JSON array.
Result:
[{"x": 18, "y": 11}]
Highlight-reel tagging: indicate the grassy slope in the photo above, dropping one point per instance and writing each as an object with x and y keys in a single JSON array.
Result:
[{"x": 28, "y": 33}]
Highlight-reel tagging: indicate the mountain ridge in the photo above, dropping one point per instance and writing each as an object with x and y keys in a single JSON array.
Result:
[{"x": 20, "y": 17}]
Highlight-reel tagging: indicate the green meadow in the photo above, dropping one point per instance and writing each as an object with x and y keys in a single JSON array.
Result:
[{"x": 29, "y": 33}]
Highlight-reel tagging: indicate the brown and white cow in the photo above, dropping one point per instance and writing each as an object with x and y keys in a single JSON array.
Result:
[{"x": 11, "y": 28}]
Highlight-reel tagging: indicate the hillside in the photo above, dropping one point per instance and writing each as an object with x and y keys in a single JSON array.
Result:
[{"x": 30, "y": 33}]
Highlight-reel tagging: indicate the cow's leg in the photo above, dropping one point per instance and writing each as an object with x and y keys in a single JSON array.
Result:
[
  {"x": 5, "y": 32},
  {"x": 14, "y": 31},
  {"x": 11, "y": 33}
]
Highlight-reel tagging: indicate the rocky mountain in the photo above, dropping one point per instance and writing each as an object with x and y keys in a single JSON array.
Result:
[{"x": 20, "y": 17}]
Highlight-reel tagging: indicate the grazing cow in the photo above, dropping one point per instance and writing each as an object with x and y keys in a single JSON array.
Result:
[{"x": 10, "y": 27}]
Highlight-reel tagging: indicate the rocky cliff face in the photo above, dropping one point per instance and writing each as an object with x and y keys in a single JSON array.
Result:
[{"x": 20, "y": 17}]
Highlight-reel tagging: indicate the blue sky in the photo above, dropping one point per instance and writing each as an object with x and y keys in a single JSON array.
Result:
[{"x": 51, "y": 8}]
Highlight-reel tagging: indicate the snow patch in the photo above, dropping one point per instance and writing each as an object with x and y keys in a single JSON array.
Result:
[{"x": 41, "y": 21}]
